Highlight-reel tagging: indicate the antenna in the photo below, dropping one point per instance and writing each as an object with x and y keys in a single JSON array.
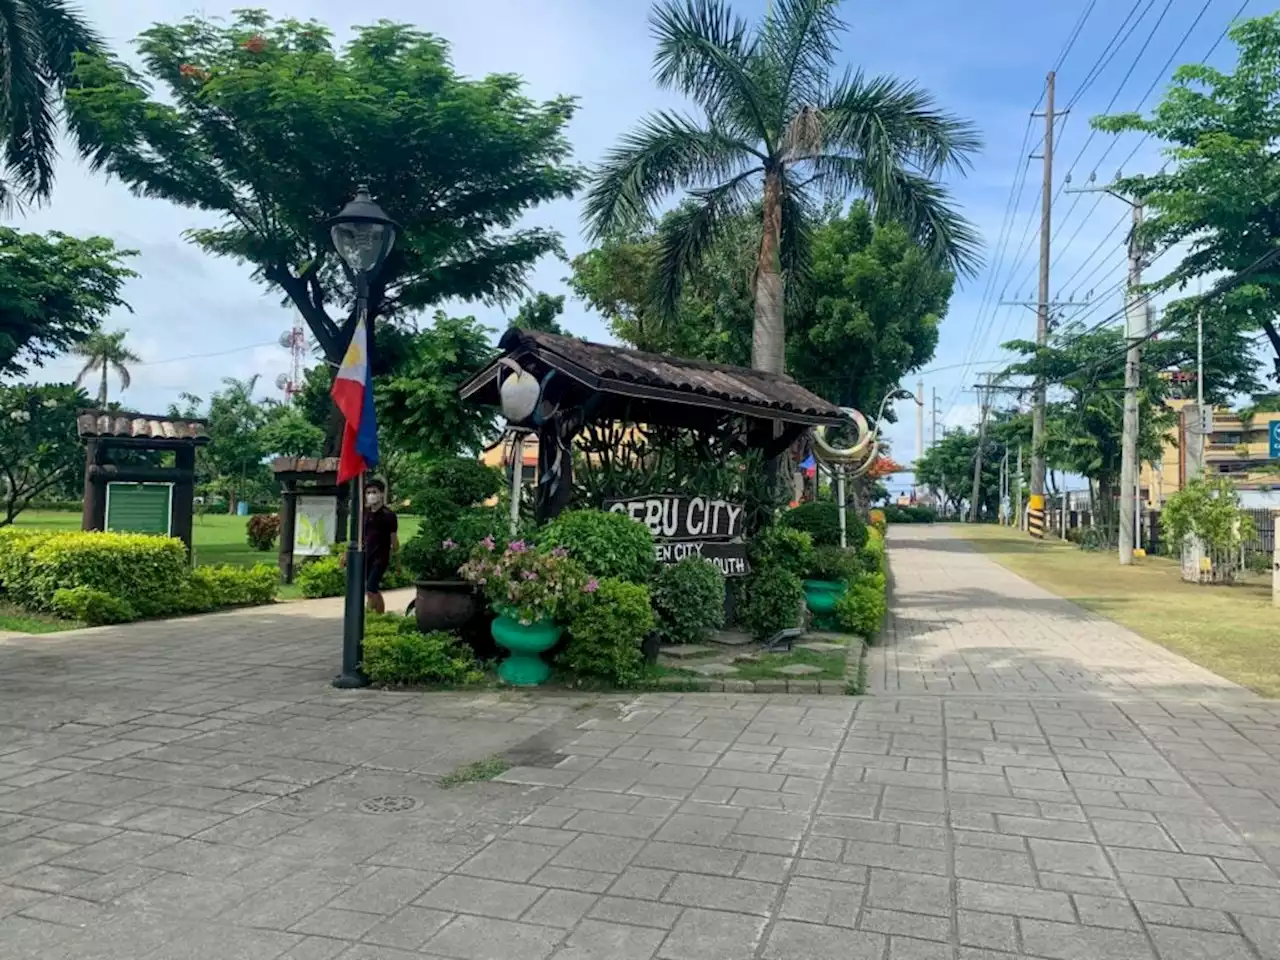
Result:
[{"x": 295, "y": 341}]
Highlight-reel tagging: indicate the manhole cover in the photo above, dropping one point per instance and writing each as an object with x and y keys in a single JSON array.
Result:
[{"x": 387, "y": 804}]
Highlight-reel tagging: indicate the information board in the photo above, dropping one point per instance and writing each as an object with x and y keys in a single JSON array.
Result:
[{"x": 139, "y": 507}]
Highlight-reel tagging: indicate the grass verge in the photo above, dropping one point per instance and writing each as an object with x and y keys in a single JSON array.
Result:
[
  {"x": 17, "y": 620},
  {"x": 1233, "y": 631},
  {"x": 474, "y": 772}
]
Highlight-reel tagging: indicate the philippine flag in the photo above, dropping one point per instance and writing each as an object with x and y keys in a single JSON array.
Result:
[
  {"x": 353, "y": 395},
  {"x": 809, "y": 466}
]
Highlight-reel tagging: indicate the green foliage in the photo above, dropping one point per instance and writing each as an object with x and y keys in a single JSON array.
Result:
[
  {"x": 476, "y": 772},
  {"x": 54, "y": 292},
  {"x": 862, "y": 608},
  {"x": 781, "y": 546},
  {"x": 1208, "y": 509},
  {"x": 456, "y": 161},
  {"x": 872, "y": 303},
  {"x": 606, "y": 544},
  {"x": 39, "y": 448},
  {"x": 288, "y": 433},
  {"x": 395, "y": 653},
  {"x": 143, "y": 571},
  {"x": 262, "y": 530},
  {"x": 771, "y": 600},
  {"x": 446, "y": 539},
  {"x": 688, "y": 598},
  {"x": 606, "y": 635},
  {"x": 540, "y": 313},
  {"x": 39, "y": 43},
  {"x": 95, "y": 607},
  {"x": 227, "y": 585},
  {"x": 527, "y": 585},
  {"x": 821, "y": 520},
  {"x": 462, "y": 481},
  {"x": 872, "y": 556},
  {"x": 1217, "y": 194},
  {"x": 896, "y": 514},
  {"x": 417, "y": 395},
  {"x": 834, "y": 565},
  {"x": 321, "y": 577}
]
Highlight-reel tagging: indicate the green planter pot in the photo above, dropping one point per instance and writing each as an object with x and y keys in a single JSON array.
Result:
[
  {"x": 524, "y": 668},
  {"x": 821, "y": 596}
]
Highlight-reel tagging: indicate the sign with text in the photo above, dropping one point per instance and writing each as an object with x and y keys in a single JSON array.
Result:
[
  {"x": 684, "y": 526},
  {"x": 1273, "y": 440}
]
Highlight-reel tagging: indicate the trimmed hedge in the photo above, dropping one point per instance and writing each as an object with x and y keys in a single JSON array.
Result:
[
  {"x": 821, "y": 520},
  {"x": 607, "y": 544},
  {"x": 395, "y": 653},
  {"x": 117, "y": 577},
  {"x": 606, "y": 636}
]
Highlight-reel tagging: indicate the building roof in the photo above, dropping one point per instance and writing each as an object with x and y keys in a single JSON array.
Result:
[
  {"x": 305, "y": 465},
  {"x": 139, "y": 427},
  {"x": 658, "y": 378}
]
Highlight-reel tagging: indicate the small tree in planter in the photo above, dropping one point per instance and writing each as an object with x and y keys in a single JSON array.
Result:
[
  {"x": 1208, "y": 510},
  {"x": 534, "y": 595}
]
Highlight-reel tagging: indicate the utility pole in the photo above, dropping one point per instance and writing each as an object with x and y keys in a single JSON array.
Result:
[
  {"x": 933, "y": 425},
  {"x": 985, "y": 400},
  {"x": 1036, "y": 512},
  {"x": 1017, "y": 496},
  {"x": 1135, "y": 313},
  {"x": 919, "y": 419}
]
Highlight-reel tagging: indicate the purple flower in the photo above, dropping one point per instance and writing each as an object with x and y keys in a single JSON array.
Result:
[
  {"x": 487, "y": 543},
  {"x": 517, "y": 546},
  {"x": 591, "y": 586},
  {"x": 448, "y": 544},
  {"x": 530, "y": 575},
  {"x": 559, "y": 552}
]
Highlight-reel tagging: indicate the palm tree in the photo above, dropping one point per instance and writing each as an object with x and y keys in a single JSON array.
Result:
[
  {"x": 105, "y": 352},
  {"x": 39, "y": 40},
  {"x": 779, "y": 131}
]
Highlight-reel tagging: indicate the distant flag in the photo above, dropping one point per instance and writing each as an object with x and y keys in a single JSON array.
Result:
[
  {"x": 353, "y": 396},
  {"x": 809, "y": 466}
]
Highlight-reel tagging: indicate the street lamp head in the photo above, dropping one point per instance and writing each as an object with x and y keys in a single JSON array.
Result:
[
  {"x": 362, "y": 234},
  {"x": 904, "y": 395}
]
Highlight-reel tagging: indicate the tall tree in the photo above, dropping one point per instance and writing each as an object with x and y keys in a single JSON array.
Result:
[
  {"x": 1220, "y": 191},
  {"x": 778, "y": 128},
  {"x": 106, "y": 353},
  {"x": 539, "y": 312},
  {"x": 269, "y": 127},
  {"x": 54, "y": 292},
  {"x": 39, "y": 41}
]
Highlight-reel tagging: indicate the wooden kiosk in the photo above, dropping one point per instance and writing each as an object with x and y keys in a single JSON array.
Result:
[
  {"x": 132, "y": 497},
  {"x": 312, "y": 484}
]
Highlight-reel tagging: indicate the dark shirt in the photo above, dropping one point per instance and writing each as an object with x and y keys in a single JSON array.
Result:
[{"x": 379, "y": 527}]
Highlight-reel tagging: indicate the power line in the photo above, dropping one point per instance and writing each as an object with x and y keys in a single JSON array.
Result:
[
  {"x": 1075, "y": 34},
  {"x": 202, "y": 356},
  {"x": 1107, "y": 54}
]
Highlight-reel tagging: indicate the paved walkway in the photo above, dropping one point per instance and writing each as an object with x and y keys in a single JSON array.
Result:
[
  {"x": 196, "y": 791},
  {"x": 961, "y": 623}
]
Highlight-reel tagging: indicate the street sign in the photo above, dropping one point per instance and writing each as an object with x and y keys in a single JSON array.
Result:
[{"x": 1273, "y": 440}]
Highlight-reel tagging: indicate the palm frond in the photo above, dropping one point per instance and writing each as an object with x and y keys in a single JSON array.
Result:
[
  {"x": 27, "y": 122},
  {"x": 924, "y": 207},
  {"x": 892, "y": 122},
  {"x": 90, "y": 365},
  {"x": 666, "y": 152},
  {"x": 707, "y": 53},
  {"x": 800, "y": 45},
  {"x": 688, "y": 232},
  {"x": 122, "y": 373}
]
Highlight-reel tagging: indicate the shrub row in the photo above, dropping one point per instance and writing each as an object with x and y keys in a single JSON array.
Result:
[
  {"x": 326, "y": 577},
  {"x": 395, "y": 653},
  {"x": 118, "y": 577},
  {"x": 896, "y": 514}
]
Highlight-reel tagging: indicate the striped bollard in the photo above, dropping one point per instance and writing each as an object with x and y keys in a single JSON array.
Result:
[{"x": 1035, "y": 515}]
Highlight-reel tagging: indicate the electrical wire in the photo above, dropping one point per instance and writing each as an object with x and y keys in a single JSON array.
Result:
[
  {"x": 1075, "y": 35},
  {"x": 1107, "y": 54},
  {"x": 202, "y": 356}
]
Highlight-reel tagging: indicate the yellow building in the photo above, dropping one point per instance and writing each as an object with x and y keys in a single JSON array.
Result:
[{"x": 1236, "y": 448}]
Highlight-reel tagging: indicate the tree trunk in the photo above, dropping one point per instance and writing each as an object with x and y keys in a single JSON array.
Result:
[
  {"x": 768, "y": 344},
  {"x": 102, "y": 389}
]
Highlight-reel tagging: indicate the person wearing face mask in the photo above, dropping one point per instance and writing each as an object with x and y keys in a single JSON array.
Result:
[{"x": 381, "y": 539}]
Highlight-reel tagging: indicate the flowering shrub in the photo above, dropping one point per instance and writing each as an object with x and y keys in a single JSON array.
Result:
[
  {"x": 261, "y": 531},
  {"x": 528, "y": 585}
]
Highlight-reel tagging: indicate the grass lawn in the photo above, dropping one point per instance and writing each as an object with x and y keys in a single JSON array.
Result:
[
  {"x": 20, "y": 621},
  {"x": 1233, "y": 631},
  {"x": 218, "y": 537}
]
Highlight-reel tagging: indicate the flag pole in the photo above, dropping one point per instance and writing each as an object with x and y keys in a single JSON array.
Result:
[{"x": 353, "y": 609}]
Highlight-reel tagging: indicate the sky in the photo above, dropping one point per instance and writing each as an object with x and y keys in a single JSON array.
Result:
[{"x": 197, "y": 319}]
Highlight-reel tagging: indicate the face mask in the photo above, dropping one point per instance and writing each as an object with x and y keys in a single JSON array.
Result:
[{"x": 373, "y": 499}]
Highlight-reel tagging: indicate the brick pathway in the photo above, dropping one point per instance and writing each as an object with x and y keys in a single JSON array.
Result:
[
  {"x": 194, "y": 791},
  {"x": 960, "y": 623}
]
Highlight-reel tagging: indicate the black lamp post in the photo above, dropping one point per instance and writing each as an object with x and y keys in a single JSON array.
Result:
[{"x": 363, "y": 236}]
